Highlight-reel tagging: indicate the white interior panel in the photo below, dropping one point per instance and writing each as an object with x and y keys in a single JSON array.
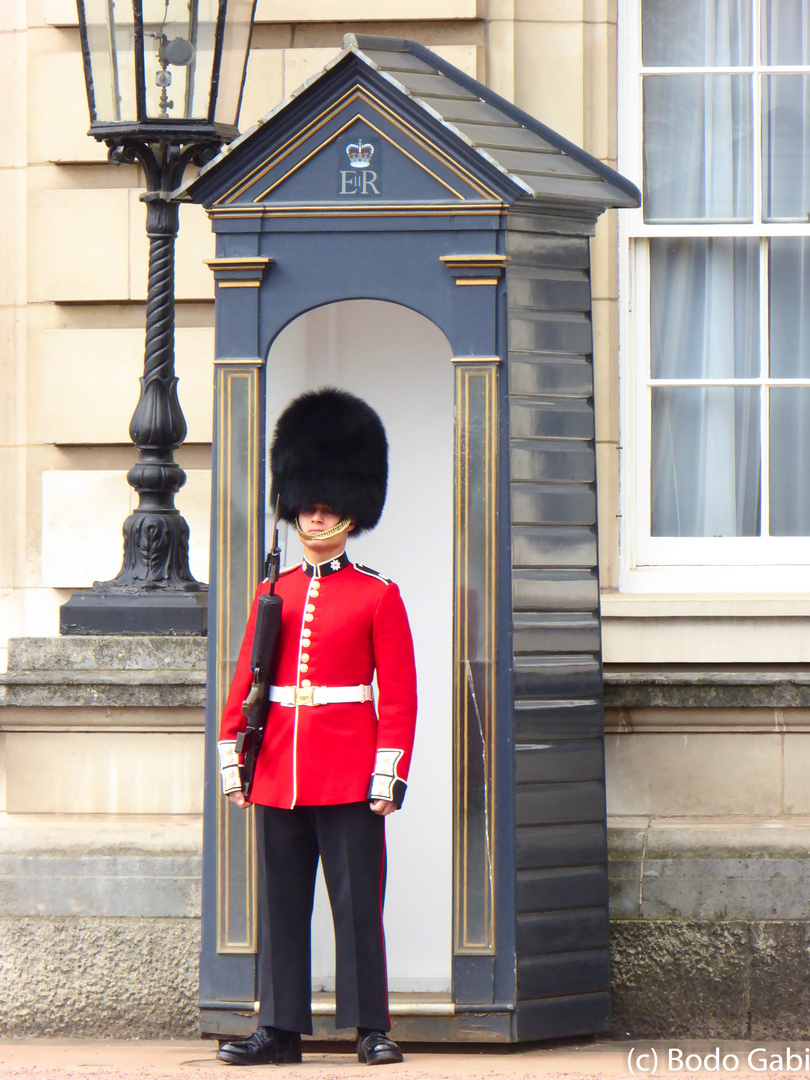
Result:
[{"x": 400, "y": 363}]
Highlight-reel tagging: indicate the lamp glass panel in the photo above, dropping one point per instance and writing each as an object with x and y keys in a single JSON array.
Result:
[
  {"x": 235, "y": 44},
  {"x": 178, "y": 47},
  {"x": 110, "y": 40}
]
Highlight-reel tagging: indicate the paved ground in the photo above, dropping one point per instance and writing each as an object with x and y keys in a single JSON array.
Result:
[{"x": 57, "y": 1059}]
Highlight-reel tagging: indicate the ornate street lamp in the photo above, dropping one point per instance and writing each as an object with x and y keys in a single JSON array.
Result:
[{"x": 164, "y": 85}]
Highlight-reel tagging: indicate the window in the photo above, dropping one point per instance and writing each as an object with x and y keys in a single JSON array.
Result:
[{"x": 715, "y": 125}]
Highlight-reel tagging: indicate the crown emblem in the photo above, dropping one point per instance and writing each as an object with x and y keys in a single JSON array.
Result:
[{"x": 359, "y": 154}]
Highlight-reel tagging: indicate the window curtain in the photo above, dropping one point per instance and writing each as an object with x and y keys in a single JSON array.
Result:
[
  {"x": 704, "y": 324},
  {"x": 697, "y": 128},
  {"x": 786, "y": 111},
  {"x": 790, "y": 406}
]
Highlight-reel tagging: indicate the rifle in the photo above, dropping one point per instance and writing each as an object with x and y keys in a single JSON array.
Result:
[{"x": 256, "y": 705}]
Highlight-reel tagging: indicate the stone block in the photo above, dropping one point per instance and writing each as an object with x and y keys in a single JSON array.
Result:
[
  {"x": 694, "y": 775},
  {"x": 83, "y": 512},
  {"x": 77, "y": 370},
  {"x": 717, "y": 888},
  {"x": 264, "y": 85},
  {"x": 600, "y": 91},
  {"x": 70, "y": 267},
  {"x": 605, "y": 318},
  {"x": 107, "y": 653},
  {"x": 59, "y": 135},
  {"x": 302, "y": 64},
  {"x": 303, "y": 11},
  {"x": 548, "y": 56},
  {"x": 677, "y": 979},
  {"x": 82, "y": 515},
  {"x": 697, "y": 639},
  {"x": 104, "y": 773},
  {"x": 779, "y": 997},
  {"x": 12, "y": 94},
  {"x": 686, "y": 720},
  {"x": 608, "y": 518},
  {"x": 100, "y": 977},
  {"x": 797, "y": 760},
  {"x": 548, "y": 10},
  {"x": 111, "y": 885},
  {"x": 626, "y": 844},
  {"x": 72, "y": 682},
  {"x": 60, "y": 12},
  {"x": 12, "y": 256}
]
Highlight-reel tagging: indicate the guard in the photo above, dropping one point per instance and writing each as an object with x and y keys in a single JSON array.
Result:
[{"x": 331, "y": 767}]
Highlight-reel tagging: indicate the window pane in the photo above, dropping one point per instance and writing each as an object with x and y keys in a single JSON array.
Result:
[
  {"x": 785, "y": 139},
  {"x": 705, "y": 461},
  {"x": 697, "y": 148},
  {"x": 785, "y": 32},
  {"x": 704, "y": 309},
  {"x": 790, "y": 461},
  {"x": 696, "y": 33},
  {"x": 790, "y": 307}
]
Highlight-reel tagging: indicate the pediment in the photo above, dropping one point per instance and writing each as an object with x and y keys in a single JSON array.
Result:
[
  {"x": 437, "y": 136},
  {"x": 356, "y": 149}
]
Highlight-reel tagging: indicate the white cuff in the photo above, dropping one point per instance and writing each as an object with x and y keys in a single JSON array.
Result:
[
  {"x": 385, "y": 784},
  {"x": 229, "y": 766}
]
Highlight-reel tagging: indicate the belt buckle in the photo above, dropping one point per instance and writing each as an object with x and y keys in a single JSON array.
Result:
[{"x": 303, "y": 695}]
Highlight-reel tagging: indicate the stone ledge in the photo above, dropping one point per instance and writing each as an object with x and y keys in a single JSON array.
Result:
[
  {"x": 117, "y": 672},
  {"x": 709, "y": 870},
  {"x": 110, "y": 866},
  {"x": 670, "y": 686}
]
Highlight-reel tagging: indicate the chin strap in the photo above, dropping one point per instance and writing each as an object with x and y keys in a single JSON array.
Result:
[{"x": 309, "y": 537}]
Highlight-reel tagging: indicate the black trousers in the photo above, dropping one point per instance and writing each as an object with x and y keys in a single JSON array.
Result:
[{"x": 349, "y": 839}]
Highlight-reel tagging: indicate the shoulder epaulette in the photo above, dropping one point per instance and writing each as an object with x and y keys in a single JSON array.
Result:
[
  {"x": 286, "y": 570},
  {"x": 371, "y": 573}
]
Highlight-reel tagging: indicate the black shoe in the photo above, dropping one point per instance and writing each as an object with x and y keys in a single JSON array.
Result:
[
  {"x": 377, "y": 1049},
  {"x": 266, "y": 1046}
]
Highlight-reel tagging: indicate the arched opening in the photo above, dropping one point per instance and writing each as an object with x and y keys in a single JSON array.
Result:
[{"x": 398, "y": 361}]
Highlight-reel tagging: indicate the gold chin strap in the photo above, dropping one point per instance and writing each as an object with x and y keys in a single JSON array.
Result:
[{"x": 309, "y": 537}]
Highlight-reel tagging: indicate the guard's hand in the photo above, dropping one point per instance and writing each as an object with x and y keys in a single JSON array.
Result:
[
  {"x": 238, "y": 799},
  {"x": 383, "y": 807}
]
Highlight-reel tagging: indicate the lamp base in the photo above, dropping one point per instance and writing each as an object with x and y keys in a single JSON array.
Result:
[{"x": 153, "y": 612}]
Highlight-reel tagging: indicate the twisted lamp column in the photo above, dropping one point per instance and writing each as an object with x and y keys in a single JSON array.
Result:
[{"x": 154, "y": 591}]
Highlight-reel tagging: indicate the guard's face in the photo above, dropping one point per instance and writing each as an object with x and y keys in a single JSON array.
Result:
[{"x": 317, "y": 519}]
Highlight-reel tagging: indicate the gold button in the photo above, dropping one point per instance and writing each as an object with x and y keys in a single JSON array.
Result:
[
  {"x": 308, "y": 618},
  {"x": 305, "y": 657},
  {"x": 303, "y": 667},
  {"x": 306, "y": 632},
  {"x": 309, "y": 607},
  {"x": 306, "y": 682}
]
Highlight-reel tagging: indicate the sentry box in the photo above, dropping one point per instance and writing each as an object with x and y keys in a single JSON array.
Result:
[{"x": 397, "y": 229}]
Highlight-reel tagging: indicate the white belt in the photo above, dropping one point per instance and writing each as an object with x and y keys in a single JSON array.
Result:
[{"x": 319, "y": 695}]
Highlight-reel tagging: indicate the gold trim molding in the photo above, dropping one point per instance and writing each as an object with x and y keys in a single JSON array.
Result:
[
  {"x": 239, "y": 272},
  {"x": 474, "y": 654},
  {"x": 237, "y": 421},
  {"x": 466, "y": 269},
  {"x": 484, "y": 208}
]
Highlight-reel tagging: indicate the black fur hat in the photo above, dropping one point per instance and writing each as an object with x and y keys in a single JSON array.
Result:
[{"x": 330, "y": 447}]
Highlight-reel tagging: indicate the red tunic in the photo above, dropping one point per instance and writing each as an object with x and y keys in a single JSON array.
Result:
[{"x": 337, "y": 627}]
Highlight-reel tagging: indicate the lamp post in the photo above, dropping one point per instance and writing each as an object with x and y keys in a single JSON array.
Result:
[{"x": 164, "y": 86}]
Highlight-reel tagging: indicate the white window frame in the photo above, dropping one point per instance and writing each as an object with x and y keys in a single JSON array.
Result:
[{"x": 686, "y": 564}]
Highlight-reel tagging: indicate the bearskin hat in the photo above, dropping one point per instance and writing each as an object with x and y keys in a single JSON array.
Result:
[{"x": 330, "y": 447}]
